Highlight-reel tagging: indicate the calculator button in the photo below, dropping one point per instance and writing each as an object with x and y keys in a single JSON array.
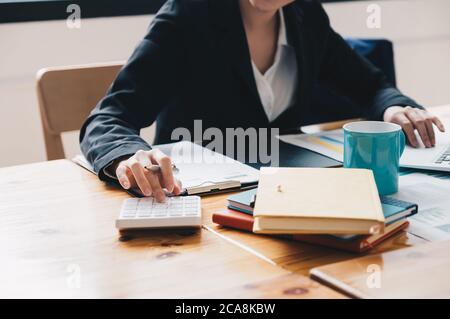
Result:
[
  {"x": 191, "y": 214},
  {"x": 128, "y": 208},
  {"x": 190, "y": 204},
  {"x": 145, "y": 213},
  {"x": 129, "y": 215}
]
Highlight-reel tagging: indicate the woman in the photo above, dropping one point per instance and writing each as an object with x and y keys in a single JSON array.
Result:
[{"x": 231, "y": 63}]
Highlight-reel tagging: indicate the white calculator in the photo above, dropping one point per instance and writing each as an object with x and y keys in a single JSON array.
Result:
[{"x": 182, "y": 211}]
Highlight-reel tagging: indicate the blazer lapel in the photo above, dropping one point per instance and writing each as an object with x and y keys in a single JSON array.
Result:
[
  {"x": 291, "y": 117},
  {"x": 242, "y": 58},
  {"x": 234, "y": 44}
]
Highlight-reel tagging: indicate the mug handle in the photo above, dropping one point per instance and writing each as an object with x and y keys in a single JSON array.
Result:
[{"x": 402, "y": 143}]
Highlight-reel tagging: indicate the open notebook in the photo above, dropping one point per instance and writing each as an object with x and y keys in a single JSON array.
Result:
[{"x": 201, "y": 170}]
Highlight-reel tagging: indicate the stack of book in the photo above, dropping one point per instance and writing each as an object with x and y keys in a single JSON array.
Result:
[{"x": 338, "y": 208}]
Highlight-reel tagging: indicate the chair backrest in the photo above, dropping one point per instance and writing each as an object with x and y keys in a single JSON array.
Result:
[
  {"x": 67, "y": 95},
  {"x": 329, "y": 106}
]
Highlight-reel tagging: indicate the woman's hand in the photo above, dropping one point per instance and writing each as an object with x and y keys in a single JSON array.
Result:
[
  {"x": 411, "y": 119},
  {"x": 131, "y": 173}
]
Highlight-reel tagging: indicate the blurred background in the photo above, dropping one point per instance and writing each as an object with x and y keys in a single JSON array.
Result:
[{"x": 110, "y": 29}]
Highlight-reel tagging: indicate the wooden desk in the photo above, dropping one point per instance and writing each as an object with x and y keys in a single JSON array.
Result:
[
  {"x": 57, "y": 239},
  {"x": 418, "y": 272}
]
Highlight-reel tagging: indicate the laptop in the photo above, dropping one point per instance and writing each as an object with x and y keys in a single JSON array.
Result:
[{"x": 436, "y": 158}]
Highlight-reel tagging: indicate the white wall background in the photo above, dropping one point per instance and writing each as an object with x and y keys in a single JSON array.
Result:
[{"x": 420, "y": 30}]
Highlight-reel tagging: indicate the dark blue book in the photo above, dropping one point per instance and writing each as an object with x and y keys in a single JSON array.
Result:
[
  {"x": 396, "y": 209},
  {"x": 243, "y": 202},
  {"x": 393, "y": 211}
]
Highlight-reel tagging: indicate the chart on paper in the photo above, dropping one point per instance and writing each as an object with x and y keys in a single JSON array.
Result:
[
  {"x": 430, "y": 192},
  {"x": 328, "y": 143}
]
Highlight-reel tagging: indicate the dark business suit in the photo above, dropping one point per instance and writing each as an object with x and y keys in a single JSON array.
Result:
[{"x": 194, "y": 63}]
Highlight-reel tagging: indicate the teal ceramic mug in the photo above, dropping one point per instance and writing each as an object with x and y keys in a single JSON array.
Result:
[{"x": 377, "y": 146}]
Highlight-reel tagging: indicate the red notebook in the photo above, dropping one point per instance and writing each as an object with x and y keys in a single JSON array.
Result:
[{"x": 237, "y": 220}]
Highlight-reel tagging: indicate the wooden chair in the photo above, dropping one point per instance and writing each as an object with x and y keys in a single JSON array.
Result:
[{"x": 66, "y": 96}]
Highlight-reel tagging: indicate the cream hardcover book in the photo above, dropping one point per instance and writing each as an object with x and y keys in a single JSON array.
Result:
[{"x": 317, "y": 201}]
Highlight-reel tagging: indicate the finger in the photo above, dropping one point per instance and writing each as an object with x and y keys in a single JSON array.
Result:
[
  {"x": 430, "y": 130},
  {"x": 157, "y": 190},
  {"x": 131, "y": 178},
  {"x": 177, "y": 187},
  {"x": 161, "y": 182},
  {"x": 139, "y": 175},
  {"x": 419, "y": 123},
  {"x": 408, "y": 128},
  {"x": 125, "y": 176},
  {"x": 143, "y": 157},
  {"x": 423, "y": 133},
  {"x": 165, "y": 163},
  {"x": 438, "y": 123}
]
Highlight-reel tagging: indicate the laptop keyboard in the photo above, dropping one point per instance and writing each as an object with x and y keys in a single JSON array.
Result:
[{"x": 445, "y": 157}]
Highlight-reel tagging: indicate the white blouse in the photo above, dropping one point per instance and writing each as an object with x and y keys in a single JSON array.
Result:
[{"x": 277, "y": 86}]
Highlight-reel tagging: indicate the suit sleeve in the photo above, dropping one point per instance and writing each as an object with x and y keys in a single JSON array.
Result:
[
  {"x": 141, "y": 90},
  {"x": 355, "y": 77}
]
